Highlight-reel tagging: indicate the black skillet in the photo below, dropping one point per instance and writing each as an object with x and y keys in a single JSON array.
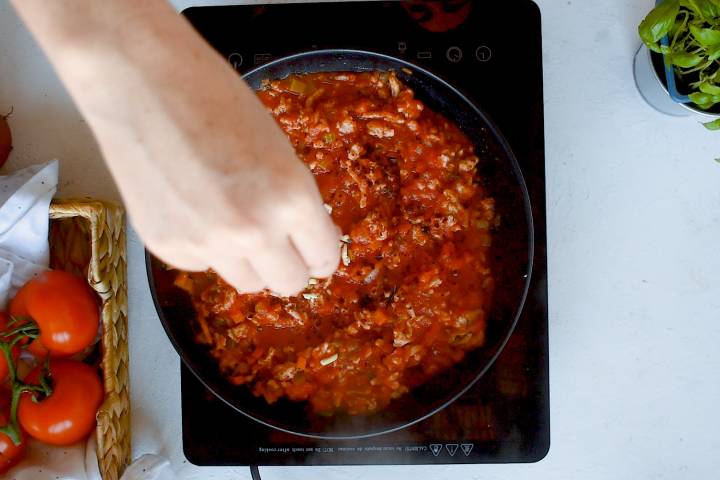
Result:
[{"x": 512, "y": 265}]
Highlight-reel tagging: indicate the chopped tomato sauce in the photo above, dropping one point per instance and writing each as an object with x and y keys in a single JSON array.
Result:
[{"x": 411, "y": 293}]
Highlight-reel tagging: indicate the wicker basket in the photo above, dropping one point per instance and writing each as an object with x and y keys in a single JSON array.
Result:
[{"x": 88, "y": 238}]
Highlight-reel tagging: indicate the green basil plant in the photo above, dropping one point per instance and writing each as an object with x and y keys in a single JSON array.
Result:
[{"x": 693, "y": 30}]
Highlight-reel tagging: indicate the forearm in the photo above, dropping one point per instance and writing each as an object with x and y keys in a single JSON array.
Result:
[
  {"x": 127, "y": 61},
  {"x": 80, "y": 36},
  {"x": 99, "y": 45},
  {"x": 209, "y": 179},
  {"x": 62, "y": 23}
]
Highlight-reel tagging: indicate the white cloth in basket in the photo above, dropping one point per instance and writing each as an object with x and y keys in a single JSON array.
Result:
[
  {"x": 25, "y": 198},
  {"x": 24, "y": 202}
]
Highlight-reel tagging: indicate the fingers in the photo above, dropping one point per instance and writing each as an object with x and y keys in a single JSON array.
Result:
[
  {"x": 234, "y": 268},
  {"x": 240, "y": 274},
  {"x": 281, "y": 267},
  {"x": 189, "y": 264},
  {"x": 279, "y": 247},
  {"x": 186, "y": 261},
  {"x": 310, "y": 227},
  {"x": 317, "y": 241}
]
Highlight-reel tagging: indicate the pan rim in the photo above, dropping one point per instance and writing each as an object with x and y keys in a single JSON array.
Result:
[{"x": 503, "y": 144}]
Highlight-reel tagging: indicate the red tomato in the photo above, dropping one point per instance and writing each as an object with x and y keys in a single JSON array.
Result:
[
  {"x": 64, "y": 307},
  {"x": 5, "y": 140},
  {"x": 18, "y": 309},
  {"x": 18, "y": 305},
  {"x": 67, "y": 415},
  {"x": 15, "y": 351},
  {"x": 10, "y": 454}
]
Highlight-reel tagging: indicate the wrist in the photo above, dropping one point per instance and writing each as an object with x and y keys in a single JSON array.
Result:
[{"x": 73, "y": 30}]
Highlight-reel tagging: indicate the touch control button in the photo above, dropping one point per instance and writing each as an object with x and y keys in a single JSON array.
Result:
[
  {"x": 236, "y": 60},
  {"x": 483, "y": 53},
  {"x": 454, "y": 54}
]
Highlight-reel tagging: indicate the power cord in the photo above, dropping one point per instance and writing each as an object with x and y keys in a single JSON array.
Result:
[{"x": 255, "y": 472}]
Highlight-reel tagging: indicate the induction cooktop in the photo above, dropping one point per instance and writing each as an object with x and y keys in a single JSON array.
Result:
[{"x": 504, "y": 417}]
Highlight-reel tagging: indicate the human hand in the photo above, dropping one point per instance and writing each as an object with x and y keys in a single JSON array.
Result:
[
  {"x": 236, "y": 200},
  {"x": 209, "y": 179},
  {"x": 219, "y": 186}
]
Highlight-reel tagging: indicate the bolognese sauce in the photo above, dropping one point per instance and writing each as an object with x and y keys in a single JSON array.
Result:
[{"x": 410, "y": 295}]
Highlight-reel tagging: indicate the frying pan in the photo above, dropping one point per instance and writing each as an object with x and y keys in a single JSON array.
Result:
[{"x": 511, "y": 262}]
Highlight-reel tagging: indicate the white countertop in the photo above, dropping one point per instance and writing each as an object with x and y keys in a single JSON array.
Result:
[{"x": 634, "y": 263}]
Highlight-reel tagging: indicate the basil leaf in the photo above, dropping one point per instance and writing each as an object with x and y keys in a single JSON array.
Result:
[
  {"x": 710, "y": 8},
  {"x": 704, "y": 100},
  {"x": 685, "y": 60},
  {"x": 713, "y": 53},
  {"x": 700, "y": 98},
  {"x": 658, "y": 22},
  {"x": 714, "y": 125},
  {"x": 690, "y": 5},
  {"x": 707, "y": 37},
  {"x": 710, "y": 89},
  {"x": 705, "y": 8},
  {"x": 661, "y": 49}
]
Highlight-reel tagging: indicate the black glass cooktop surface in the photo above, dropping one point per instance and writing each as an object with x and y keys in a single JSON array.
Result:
[{"x": 504, "y": 417}]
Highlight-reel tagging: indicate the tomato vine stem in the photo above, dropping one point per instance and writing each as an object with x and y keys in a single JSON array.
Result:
[{"x": 26, "y": 329}]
